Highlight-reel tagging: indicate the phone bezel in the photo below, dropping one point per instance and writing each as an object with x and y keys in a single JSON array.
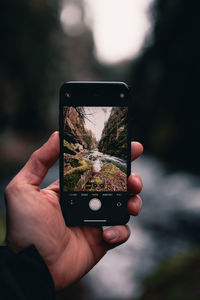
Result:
[{"x": 94, "y": 94}]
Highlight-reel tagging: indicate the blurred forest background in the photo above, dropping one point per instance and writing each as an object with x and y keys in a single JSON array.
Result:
[{"x": 38, "y": 52}]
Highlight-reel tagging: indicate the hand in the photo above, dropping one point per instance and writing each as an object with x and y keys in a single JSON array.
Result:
[{"x": 34, "y": 217}]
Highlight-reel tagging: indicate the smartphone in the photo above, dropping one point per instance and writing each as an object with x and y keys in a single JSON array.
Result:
[{"x": 95, "y": 152}]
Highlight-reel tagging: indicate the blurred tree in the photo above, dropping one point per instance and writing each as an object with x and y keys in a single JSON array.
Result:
[
  {"x": 175, "y": 279},
  {"x": 165, "y": 79},
  {"x": 26, "y": 57},
  {"x": 37, "y": 56}
]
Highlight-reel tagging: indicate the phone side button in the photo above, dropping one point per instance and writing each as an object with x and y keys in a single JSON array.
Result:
[{"x": 94, "y": 204}]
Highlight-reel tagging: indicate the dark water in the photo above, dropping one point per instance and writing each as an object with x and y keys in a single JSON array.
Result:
[
  {"x": 168, "y": 225},
  {"x": 98, "y": 159}
]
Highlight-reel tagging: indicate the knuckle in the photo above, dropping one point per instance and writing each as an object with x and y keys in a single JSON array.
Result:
[
  {"x": 35, "y": 158},
  {"x": 34, "y": 155},
  {"x": 137, "y": 213},
  {"x": 7, "y": 190},
  {"x": 9, "y": 187},
  {"x": 139, "y": 204},
  {"x": 13, "y": 186},
  {"x": 128, "y": 230},
  {"x": 139, "y": 199},
  {"x": 124, "y": 233},
  {"x": 38, "y": 159},
  {"x": 139, "y": 179}
]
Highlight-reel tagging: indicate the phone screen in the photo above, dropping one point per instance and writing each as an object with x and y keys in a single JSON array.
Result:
[{"x": 95, "y": 155}]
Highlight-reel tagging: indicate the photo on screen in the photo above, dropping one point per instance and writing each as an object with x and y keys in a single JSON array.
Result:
[{"x": 95, "y": 149}]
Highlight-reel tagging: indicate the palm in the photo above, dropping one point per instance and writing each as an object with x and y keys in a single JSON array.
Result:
[
  {"x": 75, "y": 248},
  {"x": 85, "y": 244}
]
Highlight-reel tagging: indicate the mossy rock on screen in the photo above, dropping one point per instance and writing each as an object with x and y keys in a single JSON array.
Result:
[
  {"x": 72, "y": 177},
  {"x": 176, "y": 279},
  {"x": 98, "y": 181},
  {"x": 110, "y": 177},
  {"x": 72, "y": 162},
  {"x": 110, "y": 169},
  {"x": 68, "y": 148}
]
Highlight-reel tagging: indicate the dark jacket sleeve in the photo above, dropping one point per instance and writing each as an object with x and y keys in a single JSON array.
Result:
[{"x": 24, "y": 276}]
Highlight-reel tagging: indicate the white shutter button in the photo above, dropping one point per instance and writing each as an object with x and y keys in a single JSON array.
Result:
[{"x": 95, "y": 204}]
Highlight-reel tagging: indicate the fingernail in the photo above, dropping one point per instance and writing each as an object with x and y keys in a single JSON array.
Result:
[
  {"x": 54, "y": 133},
  {"x": 111, "y": 235}
]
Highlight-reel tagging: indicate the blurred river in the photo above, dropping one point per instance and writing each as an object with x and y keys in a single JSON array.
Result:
[{"x": 168, "y": 225}]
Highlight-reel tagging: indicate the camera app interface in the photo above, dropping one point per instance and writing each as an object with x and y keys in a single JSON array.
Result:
[{"x": 95, "y": 149}]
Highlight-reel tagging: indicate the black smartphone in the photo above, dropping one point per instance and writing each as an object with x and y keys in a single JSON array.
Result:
[{"x": 95, "y": 152}]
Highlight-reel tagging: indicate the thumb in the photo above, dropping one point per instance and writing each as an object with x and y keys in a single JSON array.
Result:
[{"x": 40, "y": 161}]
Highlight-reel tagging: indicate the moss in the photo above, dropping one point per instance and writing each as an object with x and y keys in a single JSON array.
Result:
[
  {"x": 110, "y": 169},
  {"x": 71, "y": 178},
  {"x": 67, "y": 144},
  {"x": 73, "y": 162},
  {"x": 99, "y": 181},
  {"x": 111, "y": 178},
  {"x": 68, "y": 148},
  {"x": 175, "y": 279}
]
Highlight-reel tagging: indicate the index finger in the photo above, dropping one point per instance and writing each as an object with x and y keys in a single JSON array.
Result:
[{"x": 136, "y": 150}]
